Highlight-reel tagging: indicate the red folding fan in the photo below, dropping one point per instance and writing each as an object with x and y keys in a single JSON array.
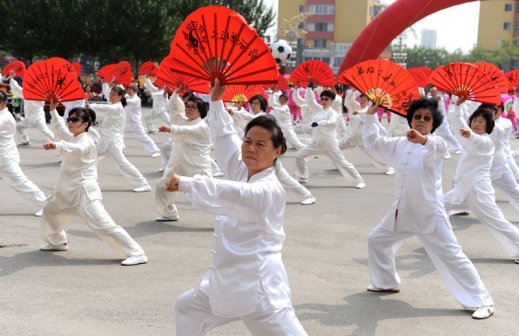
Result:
[
  {"x": 465, "y": 80},
  {"x": 77, "y": 66},
  {"x": 317, "y": 72},
  {"x": 495, "y": 74},
  {"x": 513, "y": 80},
  {"x": 54, "y": 78},
  {"x": 16, "y": 68},
  {"x": 120, "y": 73},
  {"x": 148, "y": 69},
  {"x": 163, "y": 85},
  {"x": 167, "y": 73},
  {"x": 241, "y": 93},
  {"x": 281, "y": 84},
  {"x": 216, "y": 42},
  {"x": 383, "y": 79},
  {"x": 105, "y": 70},
  {"x": 420, "y": 75}
]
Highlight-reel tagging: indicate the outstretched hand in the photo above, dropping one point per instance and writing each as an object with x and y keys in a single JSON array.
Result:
[
  {"x": 49, "y": 145},
  {"x": 172, "y": 183},
  {"x": 164, "y": 129},
  {"x": 375, "y": 107},
  {"x": 217, "y": 91},
  {"x": 465, "y": 132},
  {"x": 53, "y": 105},
  {"x": 180, "y": 89},
  {"x": 460, "y": 101},
  {"x": 415, "y": 137}
]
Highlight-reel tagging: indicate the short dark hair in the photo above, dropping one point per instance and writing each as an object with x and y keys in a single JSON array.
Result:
[
  {"x": 283, "y": 95},
  {"x": 338, "y": 88},
  {"x": 268, "y": 122},
  {"x": 501, "y": 106},
  {"x": 3, "y": 96},
  {"x": 262, "y": 101},
  {"x": 485, "y": 113},
  {"x": 429, "y": 103},
  {"x": 187, "y": 95},
  {"x": 120, "y": 92},
  {"x": 327, "y": 93},
  {"x": 85, "y": 114},
  {"x": 488, "y": 107},
  {"x": 200, "y": 106}
]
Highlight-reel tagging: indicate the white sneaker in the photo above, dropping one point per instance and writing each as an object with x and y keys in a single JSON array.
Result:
[
  {"x": 155, "y": 155},
  {"x": 459, "y": 151},
  {"x": 447, "y": 155},
  {"x": 361, "y": 185},
  {"x": 135, "y": 260},
  {"x": 483, "y": 312},
  {"x": 302, "y": 180},
  {"x": 167, "y": 219},
  {"x": 309, "y": 200},
  {"x": 218, "y": 174},
  {"x": 389, "y": 290},
  {"x": 391, "y": 171},
  {"x": 39, "y": 213},
  {"x": 143, "y": 188},
  {"x": 50, "y": 247},
  {"x": 161, "y": 170}
]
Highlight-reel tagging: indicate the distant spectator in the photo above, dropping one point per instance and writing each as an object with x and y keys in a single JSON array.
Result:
[
  {"x": 94, "y": 79},
  {"x": 96, "y": 87}
]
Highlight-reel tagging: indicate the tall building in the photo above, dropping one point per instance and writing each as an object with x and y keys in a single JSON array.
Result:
[
  {"x": 428, "y": 38},
  {"x": 332, "y": 28},
  {"x": 498, "y": 21}
]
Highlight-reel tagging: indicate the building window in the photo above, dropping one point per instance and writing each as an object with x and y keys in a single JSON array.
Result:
[
  {"x": 371, "y": 11},
  {"x": 517, "y": 26},
  {"x": 320, "y": 26},
  {"x": 326, "y": 60},
  {"x": 507, "y": 26},
  {"x": 320, "y": 43},
  {"x": 508, "y": 7},
  {"x": 499, "y": 42},
  {"x": 301, "y": 25},
  {"x": 301, "y": 9},
  {"x": 308, "y": 59},
  {"x": 517, "y": 8},
  {"x": 322, "y": 9},
  {"x": 337, "y": 61}
]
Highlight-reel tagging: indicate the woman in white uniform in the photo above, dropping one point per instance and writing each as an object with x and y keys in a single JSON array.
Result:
[
  {"x": 77, "y": 192},
  {"x": 247, "y": 280},
  {"x": 472, "y": 184},
  {"x": 418, "y": 209},
  {"x": 112, "y": 142},
  {"x": 159, "y": 101},
  {"x": 34, "y": 116},
  {"x": 444, "y": 130},
  {"x": 190, "y": 154},
  {"x": 324, "y": 140},
  {"x": 284, "y": 119},
  {"x": 10, "y": 171}
]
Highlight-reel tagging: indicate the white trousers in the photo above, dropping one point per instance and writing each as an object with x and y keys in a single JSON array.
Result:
[
  {"x": 341, "y": 126},
  {"x": 128, "y": 170},
  {"x": 288, "y": 182},
  {"x": 154, "y": 114},
  {"x": 444, "y": 131},
  {"x": 165, "y": 152},
  {"x": 214, "y": 167},
  {"x": 55, "y": 221},
  {"x": 12, "y": 174},
  {"x": 513, "y": 166},
  {"x": 344, "y": 146},
  {"x": 456, "y": 270},
  {"x": 148, "y": 144},
  {"x": 309, "y": 152},
  {"x": 292, "y": 139},
  {"x": 195, "y": 318},
  {"x": 508, "y": 185},
  {"x": 39, "y": 124},
  {"x": 491, "y": 216}
]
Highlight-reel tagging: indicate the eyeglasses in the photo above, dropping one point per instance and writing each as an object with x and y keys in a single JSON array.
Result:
[
  {"x": 326, "y": 99},
  {"x": 419, "y": 117},
  {"x": 191, "y": 107},
  {"x": 73, "y": 120}
]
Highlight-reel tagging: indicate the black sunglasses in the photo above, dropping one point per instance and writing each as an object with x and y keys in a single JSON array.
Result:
[
  {"x": 419, "y": 117},
  {"x": 74, "y": 119}
]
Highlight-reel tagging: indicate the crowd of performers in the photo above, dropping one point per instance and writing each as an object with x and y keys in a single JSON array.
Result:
[{"x": 247, "y": 279}]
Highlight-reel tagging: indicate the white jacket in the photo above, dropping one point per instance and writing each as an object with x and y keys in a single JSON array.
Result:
[
  {"x": 111, "y": 127},
  {"x": 324, "y": 134},
  {"x": 8, "y": 150},
  {"x": 354, "y": 130},
  {"x": 33, "y": 109},
  {"x": 281, "y": 112},
  {"x": 133, "y": 114},
  {"x": 157, "y": 95}
]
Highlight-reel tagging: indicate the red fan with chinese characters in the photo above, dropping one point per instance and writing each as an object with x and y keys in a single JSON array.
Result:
[
  {"x": 15, "y": 68},
  {"x": 420, "y": 75},
  {"x": 216, "y": 42},
  {"x": 317, "y": 72},
  {"x": 174, "y": 79},
  {"x": 120, "y": 73},
  {"x": 242, "y": 93},
  {"x": 148, "y": 69},
  {"x": 52, "y": 79},
  {"x": 162, "y": 84},
  {"x": 466, "y": 80},
  {"x": 381, "y": 79},
  {"x": 77, "y": 66},
  {"x": 105, "y": 70},
  {"x": 513, "y": 80},
  {"x": 495, "y": 74}
]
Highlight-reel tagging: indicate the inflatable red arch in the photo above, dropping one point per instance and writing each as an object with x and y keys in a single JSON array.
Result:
[{"x": 387, "y": 25}]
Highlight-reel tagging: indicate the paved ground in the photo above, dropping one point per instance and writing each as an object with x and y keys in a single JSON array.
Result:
[{"x": 86, "y": 292}]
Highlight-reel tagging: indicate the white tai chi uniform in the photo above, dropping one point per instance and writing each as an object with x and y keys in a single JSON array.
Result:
[
  {"x": 112, "y": 143},
  {"x": 77, "y": 193},
  {"x": 508, "y": 127},
  {"x": 10, "y": 171},
  {"x": 284, "y": 121},
  {"x": 353, "y": 135},
  {"x": 473, "y": 188},
  {"x": 158, "y": 108},
  {"x": 246, "y": 280},
  {"x": 324, "y": 141},
  {"x": 133, "y": 123},
  {"x": 418, "y": 211},
  {"x": 240, "y": 120},
  {"x": 34, "y": 116},
  {"x": 190, "y": 155},
  {"x": 307, "y": 117},
  {"x": 444, "y": 130},
  {"x": 341, "y": 122}
]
